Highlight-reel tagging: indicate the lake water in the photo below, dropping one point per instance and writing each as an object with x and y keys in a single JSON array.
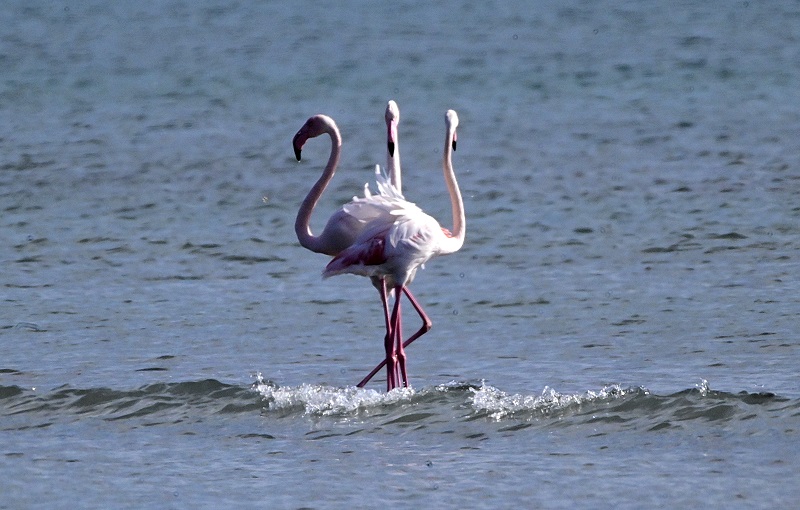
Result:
[{"x": 620, "y": 328}]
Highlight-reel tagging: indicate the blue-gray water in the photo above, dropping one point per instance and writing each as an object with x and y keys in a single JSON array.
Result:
[{"x": 620, "y": 328}]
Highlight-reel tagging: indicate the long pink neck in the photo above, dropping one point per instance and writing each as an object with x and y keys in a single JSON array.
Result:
[
  {"x": 456, "y": 202},
  {"x": 393, "y": 161},
  {"x": 301, "y": 224}
]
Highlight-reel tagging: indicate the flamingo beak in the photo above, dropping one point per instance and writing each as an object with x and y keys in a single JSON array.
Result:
[
  {"x": 390, "y": 137},
  {"x": 455, "y": 139},
  {"x": 297, "y": 143}
]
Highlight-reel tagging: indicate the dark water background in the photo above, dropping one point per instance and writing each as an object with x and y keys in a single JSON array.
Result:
[{"x": 620, "y": 327}]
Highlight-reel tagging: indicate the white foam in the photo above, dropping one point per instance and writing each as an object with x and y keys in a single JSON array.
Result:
[
  {"x": 328, "y": 400},
  {"x": 500, "y": 404}
]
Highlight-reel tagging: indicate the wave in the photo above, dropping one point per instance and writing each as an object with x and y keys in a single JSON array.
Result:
[
  {"x": 167, "y": 401},
  {"x": 633, "y": 407}
]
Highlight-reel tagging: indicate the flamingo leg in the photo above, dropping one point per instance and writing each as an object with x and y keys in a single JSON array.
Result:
[
  {"x": 397, "y": 332},
  {"x": 369, "y": 376},
  {"x": 388, "y": 341},
  {"x": 426, "y": 321},
  {"x": 426, "y": 326}
]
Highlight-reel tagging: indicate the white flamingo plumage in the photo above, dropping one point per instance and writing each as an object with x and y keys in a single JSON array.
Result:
[{"x": 392, "y": 253}]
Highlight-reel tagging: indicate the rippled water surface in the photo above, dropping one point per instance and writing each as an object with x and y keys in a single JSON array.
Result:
[{"x": 619, "y": 329}]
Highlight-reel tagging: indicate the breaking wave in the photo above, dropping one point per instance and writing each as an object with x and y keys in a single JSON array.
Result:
[{"x": 457, "y": 401}]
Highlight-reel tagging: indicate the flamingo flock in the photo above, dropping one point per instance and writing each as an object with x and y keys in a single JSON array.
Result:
[{"x": 382, "y": 236}]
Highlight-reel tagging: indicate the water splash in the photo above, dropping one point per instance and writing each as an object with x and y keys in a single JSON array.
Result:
[
  {"x": 429, "y": 407},
  {"x": 316, "y": 399},
  {"x": 703, "y": 387},
  {"x": 500, "y": 404}
]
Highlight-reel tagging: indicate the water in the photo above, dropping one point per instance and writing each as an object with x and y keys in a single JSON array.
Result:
[{"x": 620, "y": 327}]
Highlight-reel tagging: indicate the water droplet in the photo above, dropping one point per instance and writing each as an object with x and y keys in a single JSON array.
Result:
[{"x": 461, "y": 275}]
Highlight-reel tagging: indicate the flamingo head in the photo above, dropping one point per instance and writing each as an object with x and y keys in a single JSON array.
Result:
[
  {"x": 451, "y": 120},
  {"x": 314, "y": 126},
  {"x": 392, "y": 120}
]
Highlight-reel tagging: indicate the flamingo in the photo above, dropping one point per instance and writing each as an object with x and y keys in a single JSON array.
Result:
[
  {"x": 344, "y": 226},
  {"x": 349, "y": 220},
  {"x": 392, "y": 117},
  {"x": 394, "y": 252}
]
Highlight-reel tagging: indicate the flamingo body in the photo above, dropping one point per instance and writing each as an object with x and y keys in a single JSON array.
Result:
[{"x": 393, "y": 251}]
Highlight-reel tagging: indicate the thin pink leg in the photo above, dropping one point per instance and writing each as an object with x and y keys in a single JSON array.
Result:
[
  {"x": 426, "y": 326},
  {"x": 426, "y": 321},
  {"x": 388, "y": 342},
  {"x": 397, "y": 332},
  {"x": 369, "y": 376},
  {"x": 388, "y": 339}
]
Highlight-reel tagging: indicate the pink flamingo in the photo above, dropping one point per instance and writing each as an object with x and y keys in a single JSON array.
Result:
[
  {"x": 392, "y": 253},
  {"x": 344, "y": 226},
  {"x": 392, "y": 117},
  {"x": 349, "y": 220}
]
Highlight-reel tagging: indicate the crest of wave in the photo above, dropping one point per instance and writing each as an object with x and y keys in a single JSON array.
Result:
[
  {"x": 500, "y": 404},
  {"x": 327, "y": 400}
]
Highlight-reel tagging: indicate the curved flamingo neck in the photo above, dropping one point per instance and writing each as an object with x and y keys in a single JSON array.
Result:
[
  {"x": 456, "y": 239},
  {"x": 302, "y": 224}
]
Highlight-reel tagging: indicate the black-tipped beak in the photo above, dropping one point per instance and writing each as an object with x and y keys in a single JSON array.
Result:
[
  {"x": 297, "y": 153},
  {"x": 454, "y": 144},
  {"x": 390, "y": 146}
]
